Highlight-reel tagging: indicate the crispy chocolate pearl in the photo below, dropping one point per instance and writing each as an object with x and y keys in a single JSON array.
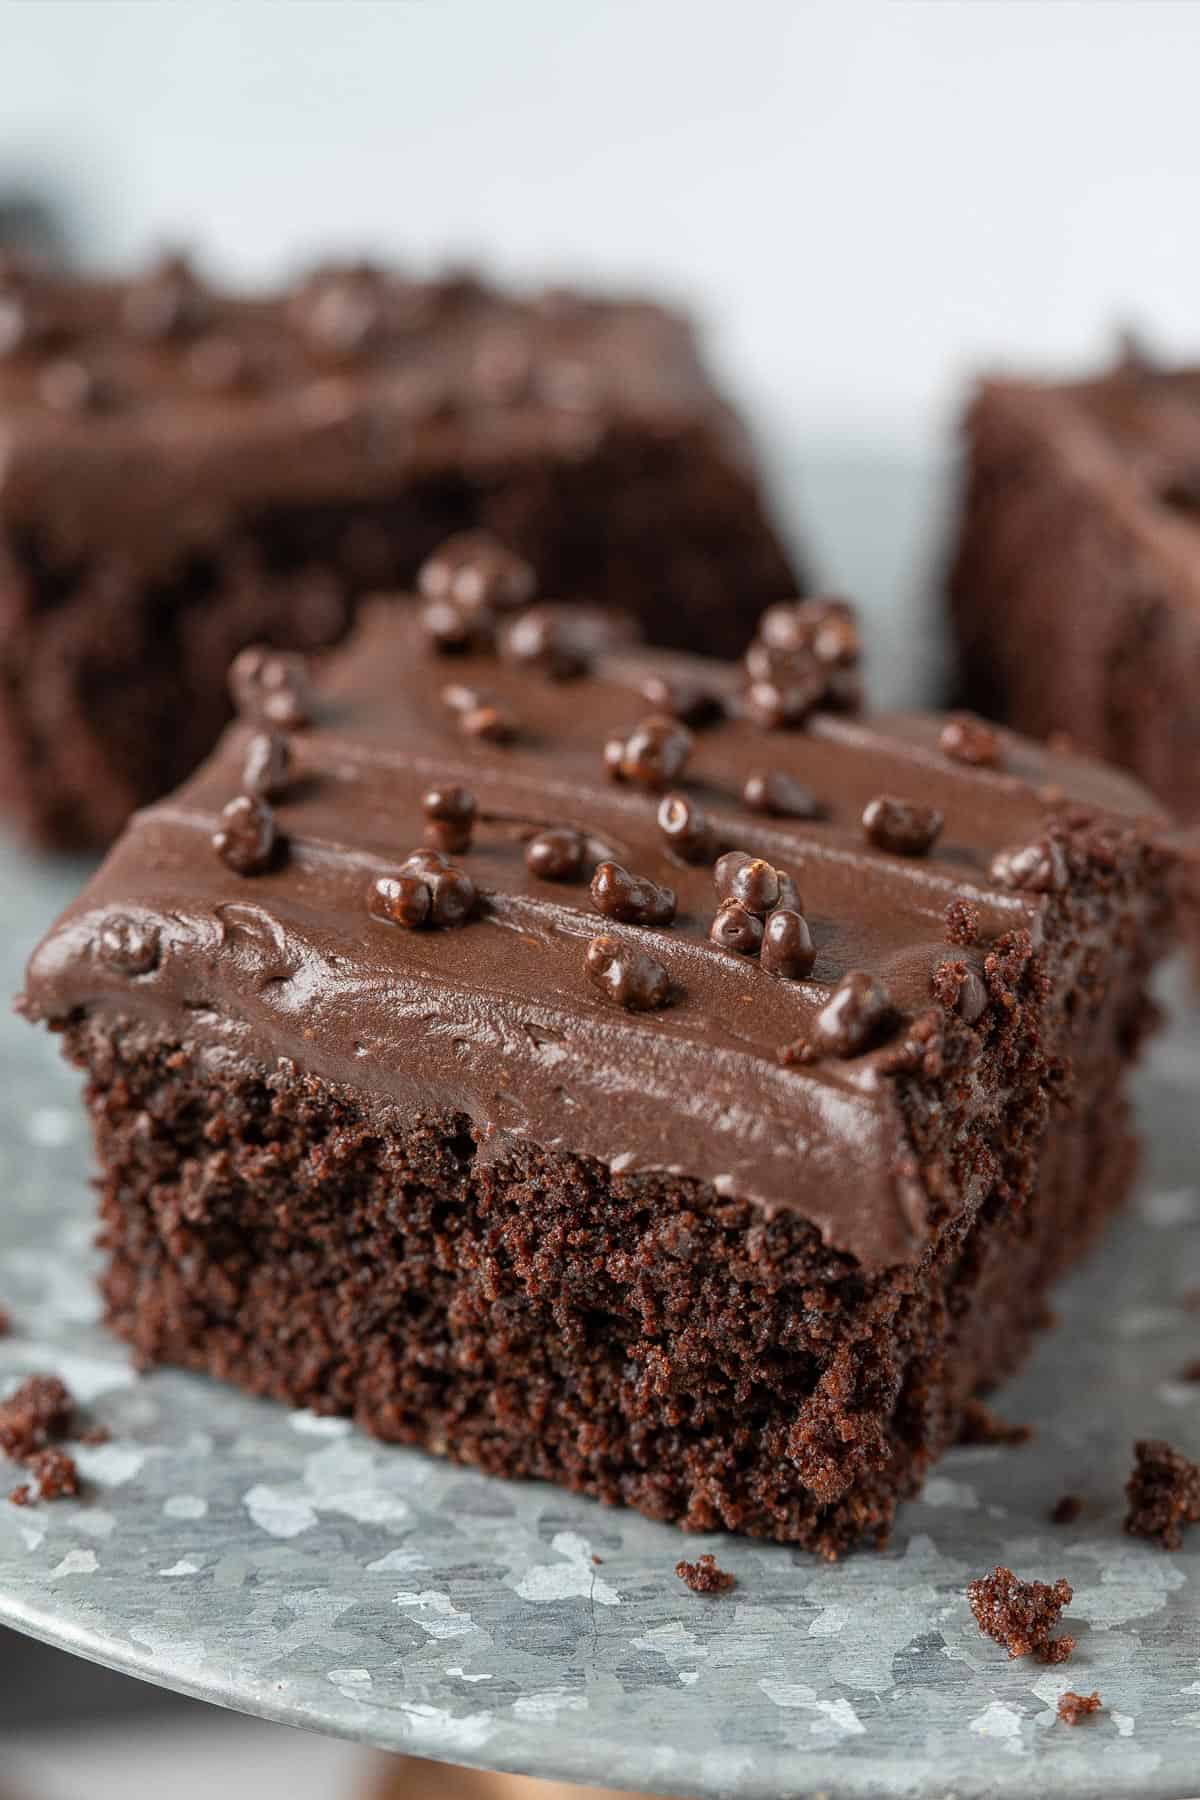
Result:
[
  {"x": 272, "y": 687},
  {"x": 400, "y": 900},
  {"x": 804, "y": 656},
  {"x": 653, "y": 754},
  {"x": 128, "y": 944},
  {"x": 556, "y": 854},
  {"x": 268, "y": 765},
  {"x": 962, "y": 988},
  {"x": 449, "y": 818},
  {"x": 779, "y": 795},
  {"x": 753, "y": 882},
  {"x": 473, "y": 570},
  {"x": 774, "y": 704},
  {"x": 246, "y": 838},
  {"x": 633, "y": 899},
  {"x": 544, "y": 638},
  {"x": 903, "y": 827},
  {"x": 478, "y": 715},
  {"x": 968, "y": 740},
  {"x": 627, "y": 975},
  {"x": 1038, "y": 868},
  {"x": 687, "y": 702},
  {"x": 493, "y": 723},
  {"x": 684, "y": 824},
  {"x": 854, "y": 1017},
  {"x": 735, "y": 928},
  {"x": 962, "y": 922},
  {"x": 787, "y": 946}
]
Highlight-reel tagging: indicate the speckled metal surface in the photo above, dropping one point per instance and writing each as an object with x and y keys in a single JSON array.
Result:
[{"x": 286, "y": 1566}]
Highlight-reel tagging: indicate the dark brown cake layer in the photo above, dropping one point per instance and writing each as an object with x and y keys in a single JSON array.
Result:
[
  {"x": 1075, "y": 589},
  {"x": 185, "y": 472},
  {"x": 741, "y": 1258}
]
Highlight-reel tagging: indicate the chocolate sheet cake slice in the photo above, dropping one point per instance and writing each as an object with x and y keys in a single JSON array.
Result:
[
  {"x": 1075, "y": 588},
  {"x": 184, "y": 472},
  {"x": 680, "y": 1087}
]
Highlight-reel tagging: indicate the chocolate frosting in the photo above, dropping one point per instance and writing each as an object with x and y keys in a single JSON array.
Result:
[
  {"x": 498, "y": 1018},
  {"x": 146, "y": 417}
]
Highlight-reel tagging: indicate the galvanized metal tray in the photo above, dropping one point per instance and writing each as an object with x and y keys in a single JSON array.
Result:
[{"x": 288, "y": 1567}]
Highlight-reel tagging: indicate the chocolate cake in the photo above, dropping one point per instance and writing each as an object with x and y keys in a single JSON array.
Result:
[
  {"x": 183, "y": 472},
  {"x": 1075, "y": 588},
  {"x": 686, "y": 1093}
]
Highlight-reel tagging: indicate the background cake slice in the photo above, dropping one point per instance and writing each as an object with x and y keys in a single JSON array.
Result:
[
  {"x": 678, "y": 1086},
  {"x": 1075, "y": 589},
  {"x": 184, "y": 472}
]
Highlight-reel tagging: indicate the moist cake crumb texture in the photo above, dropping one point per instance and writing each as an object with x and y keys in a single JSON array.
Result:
[
  {"x": 39, "y": 1411},
  {"x": 705, "y": 1576},
  {"x": 1163, "y": 1493},
  {"x": 1021, "y": 1615},
  {"x": 1074, "y": 1708},
  {"x": 541, "y": 1100}
]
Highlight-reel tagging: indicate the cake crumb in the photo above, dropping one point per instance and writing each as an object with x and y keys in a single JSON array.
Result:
[
  {"x": 95, "y": 1435},
  {"x": 1021, "y": 1614},
  {"x": 981, "y": 1426},
  {"x": 705, "y": 1577},
  {"x": 1163, "y": 1493},
  {"x": 5, "y": 1321},
  {"x": 21, "y": 1495},
  {"x": 1074, "y": 1707},
  {"x": 1066, "y": 1509},
  {"x": 1190, "y": 1371},
  {"x": 54, "y": 1474},
  {"x": 30, "y": 1418},
  {"x": 598, "y": 1560}
]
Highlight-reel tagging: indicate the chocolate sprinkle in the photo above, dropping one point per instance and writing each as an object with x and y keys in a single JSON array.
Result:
[
  {"x": 556, "y": 854},
  {"x": 787, "y": 945},
  {"x": 685, "y": 827},
  {"x": 548, "y": 639},
  {"x": 400, "y": 900},
  {"x": 246, "y": 838},
  {"x": 969, "y": 740},
  {"x": 903, "y": 827},
  {"x": 753, "y": 882},
  {"x": 854, "y": 1017},
  {"x": 268, "y": 764},
  {"x": 779, "y": 795},
  {"x": 128, "y": 944},
  {"x": 473, "y": 571},
  {"x": 1038, "y": 868},
  {"x": 626, "y": 974},
  {"x": 652, "y": 755},
  {"x": 689, "y": 702},
  {"x": 633, "y": 899},
  {"x": 449, "y": 818},
  {"x": 272, "y": 687},
  {"x": 736, "y": 928}
]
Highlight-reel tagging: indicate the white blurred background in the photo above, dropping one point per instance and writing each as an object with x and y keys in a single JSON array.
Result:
[{"x": 865, "y": 202}]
